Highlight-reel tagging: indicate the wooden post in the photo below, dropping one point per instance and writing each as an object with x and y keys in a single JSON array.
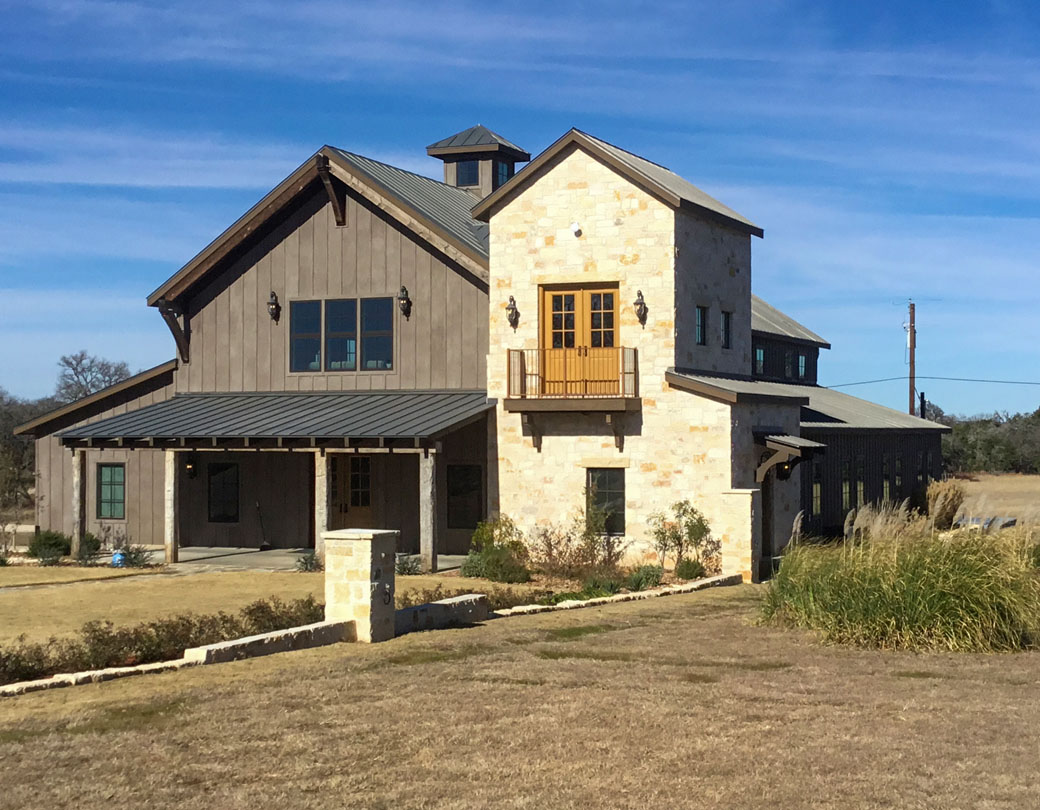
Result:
[
  {"x": 171, "y": 534},
  {"x": 428, "y": 510},
  {"x": 79, "y": 498},
  {"x": 911, "y": 344},
  {"x": 322, "y": 493}
]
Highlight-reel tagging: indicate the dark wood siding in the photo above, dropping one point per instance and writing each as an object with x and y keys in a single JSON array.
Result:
[
  {"x": 775, "y": 361},
  {"x": 872, "y": 447}
]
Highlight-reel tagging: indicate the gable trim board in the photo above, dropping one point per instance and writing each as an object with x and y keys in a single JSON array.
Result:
[{"x": 656, "y": 180}]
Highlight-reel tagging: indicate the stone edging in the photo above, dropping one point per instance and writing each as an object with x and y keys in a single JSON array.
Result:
[{"x": 667, "y": 590}]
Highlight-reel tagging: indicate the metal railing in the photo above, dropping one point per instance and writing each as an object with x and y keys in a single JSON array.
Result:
[{"x": 580, "y": 373}]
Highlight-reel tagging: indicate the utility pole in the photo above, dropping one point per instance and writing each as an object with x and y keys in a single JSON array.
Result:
[{"x": 911, "y": 343}]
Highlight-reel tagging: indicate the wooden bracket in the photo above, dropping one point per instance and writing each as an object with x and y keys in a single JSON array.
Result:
[
  {"x": 170, "y": 313},
  {"x": 536, "y": 437},
  {"x": 769, "y": 462},
  {"x": 336, "y": 197},
  {"x": 615, "y": 422}
]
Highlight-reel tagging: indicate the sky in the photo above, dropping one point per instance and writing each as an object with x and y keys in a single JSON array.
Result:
[{"x": 889, "y": 152}]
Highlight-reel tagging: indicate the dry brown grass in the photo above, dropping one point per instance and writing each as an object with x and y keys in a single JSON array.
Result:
[
  {"x": 61, "y": 609},
  {"x": 676, "y": 702},
  {"x": 31, "y": 574},
  {"x": 1009, "y": 494}
]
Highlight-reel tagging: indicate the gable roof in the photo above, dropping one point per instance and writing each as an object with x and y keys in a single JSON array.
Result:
[
  {"x": 767, "y": 319},
  {"x": 476, "y": 139},
  {"x": 656, "y": 179},
  {"x": 436, "y": 211}
]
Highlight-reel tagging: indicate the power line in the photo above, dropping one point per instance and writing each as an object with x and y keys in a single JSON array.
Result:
[{"x": 948, "y": 379}]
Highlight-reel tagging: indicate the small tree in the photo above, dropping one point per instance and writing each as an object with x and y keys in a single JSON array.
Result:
[
  {"x": 81, "y": 374},
  {"x": 685, "y": 532}
]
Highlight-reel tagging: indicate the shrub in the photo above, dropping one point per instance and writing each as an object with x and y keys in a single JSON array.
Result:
[
  {"x": 498, "y": 598},
  {"x": 498, "y": 552},
  {"x": 686, "y": 533},
  {"x": 602, "y": 585},
  {"x": 89, "y": 549},
  {"x": 136, "y": 556},
  {"x": 580, "y": 550},
  {"x": 100, "y": 644},
  {"x": 49, "y": 547},
  {"x": 407, "y": 565},
  {"x": 945, "y": 499},
  {"x": 912, "y": 590},
  {"x": 309, "y": 562},
  {"x": 644, "y": 577},
  {"x": 690, "y": 569}
]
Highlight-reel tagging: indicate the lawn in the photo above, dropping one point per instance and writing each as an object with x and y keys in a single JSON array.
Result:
[
  {"x": 21, "y": 575},
  {"x": 676, "y": 702},
  {"x": 1003, "y": 495},
  {"x": 62, "y": 609}
]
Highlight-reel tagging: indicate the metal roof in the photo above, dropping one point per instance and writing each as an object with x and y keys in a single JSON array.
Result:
[
  {"x": 768, "y": 319},
  {"x": 478, "y": 135},
  {"x": 796, "y": 442},
  {"x": 447, "y": 206},
  {"x": 822, "y": 408},
  {"x": 293, "y": 415}
]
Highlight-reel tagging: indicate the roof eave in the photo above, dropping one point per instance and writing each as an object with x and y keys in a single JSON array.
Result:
[
  {"x": 448, "y": 151},
  {"x": 724, "y": 394},
  {"x": 821, "y": 344}
]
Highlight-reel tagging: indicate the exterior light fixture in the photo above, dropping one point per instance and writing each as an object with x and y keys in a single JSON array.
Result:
[
  {"x": 274, "y": 309},
  {"x": 404, "y": 302},
  {"x": 576, "y": 228},
  {"x": 512, "y": 313},
  {"x": 190, "y": 467},
  {"x": 641, "y": 308}
]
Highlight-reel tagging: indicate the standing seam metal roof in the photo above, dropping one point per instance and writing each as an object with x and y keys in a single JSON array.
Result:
[
  {"x": 331, "y": 414},
  {"x": 767, "y": 318},
  {"x": 478, "y": 135}
]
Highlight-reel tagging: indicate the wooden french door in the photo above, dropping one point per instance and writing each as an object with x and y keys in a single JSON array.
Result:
[
  {"x": 351, "y": 492},
  {"x": 579, "y": 351}
]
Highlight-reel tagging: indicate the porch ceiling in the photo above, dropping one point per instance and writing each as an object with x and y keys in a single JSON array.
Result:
[{"x": 325, "y": 418}]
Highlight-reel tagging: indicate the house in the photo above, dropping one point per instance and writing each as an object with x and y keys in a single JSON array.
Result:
[{"x": 369, "y": 347}]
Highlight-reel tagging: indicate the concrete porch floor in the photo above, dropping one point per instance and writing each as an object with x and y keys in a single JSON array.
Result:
[{"x": 250, "y": 559}]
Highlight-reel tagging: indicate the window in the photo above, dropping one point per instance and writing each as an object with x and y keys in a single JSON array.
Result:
[
  {"x": 341, "y": 335},
  {"x": 377, "y": 333},
  {"x": 503, "y": 171},
  {"x": 702, "y": 326},
  {"x": 788, "y": 362},
  {"x": 601, "y": 320},
  {"x": 899, "y": 476},
  {"x": 801, "y": 365},
  {"x": 223, "y": 493},
  {"x": 605, "y": 489},
  {"x": 465, "y": 496},
  {"x": 727, "y": 330},
  {"x": 846, "y": 486},
  {"x": 760, "y": 360},
  {"x": 305, "y": 336},
  {"x": 467, "y": 173},
  {"x": 360, "y": 484},
  {"x": 817, "y": 487},
  {"x": 928, "y": 468},
  {"x": 886, "y": 476},
  {"x": 920, "y": 468},
  {"x": 860, "y": 482},
  {"x": 111, "y": 491}
]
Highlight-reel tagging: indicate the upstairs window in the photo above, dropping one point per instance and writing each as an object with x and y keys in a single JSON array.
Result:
[
  {"x": 860, "y": 481},
  {"x": 788, "y": 364},
  {"x": 727, "y": 330},
  {"x": 702, "y": 326},
  {"x": 760, "y": 360},
  {"x": 503, "y": 171},
  {"x": 467, "y": 173},
  {"x": 305, "y": 336},
  {"x": 605, "y": 489},
  {"x": 817, "y": 487},
  {"x": 377, "y": 334},
  {"x": 111, "y": 491},
  {"x": 801, "y": 365},
  {"x": 341, "y": 335},
  {"x": 846, "y": 486}
]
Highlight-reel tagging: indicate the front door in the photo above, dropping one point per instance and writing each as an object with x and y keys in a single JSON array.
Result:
[
  {"x": 579, "y": 354},
  {"x": 351, "y": 495}
]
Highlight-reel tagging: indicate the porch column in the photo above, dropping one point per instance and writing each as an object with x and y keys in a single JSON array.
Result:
[
  {"x": 79, "y": 498},
  {"x": 428, "y": 510},
  {"x": 171, "y": 535},
  {"x": 322, "y": 476}
]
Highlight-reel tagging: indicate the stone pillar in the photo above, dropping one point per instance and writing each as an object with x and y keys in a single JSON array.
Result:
[
  {"x": 79, "y": 498},
  {"x": 171, "y": 537},
  {"x": 428, "y": 510},
  {"x": 359, "y": 580},
  {"x": 322, "y": 479},
  {"x": 739, "y": 529}
]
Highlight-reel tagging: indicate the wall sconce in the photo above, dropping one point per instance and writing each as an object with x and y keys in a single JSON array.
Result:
[
  {"x": 191, "y": 467},
  {"x": 512, "y": 313},
  {"x": 404, "y": 302},
  {"x": 641, "y": 308},
  {"x": 274, "y": 309},
  {"x": 576, "y": 228}
]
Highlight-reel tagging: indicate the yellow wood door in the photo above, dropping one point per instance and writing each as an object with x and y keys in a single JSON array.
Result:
[
  {"x": 579, "y": 354},
  {"x": 351, "y": 492}
]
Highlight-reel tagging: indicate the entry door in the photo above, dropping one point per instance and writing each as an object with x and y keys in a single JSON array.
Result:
[
  {"x": 351, "y": 492},
  {"x": 579, "y": 354}
]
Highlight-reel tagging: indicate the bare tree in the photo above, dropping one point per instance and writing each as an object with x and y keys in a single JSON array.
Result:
[{"x": 81, "y": 375}]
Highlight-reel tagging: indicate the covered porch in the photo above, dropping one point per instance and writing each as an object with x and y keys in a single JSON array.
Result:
[{"x": 275, "y": 470}]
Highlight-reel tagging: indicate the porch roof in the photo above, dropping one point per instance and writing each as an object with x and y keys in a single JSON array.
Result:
[{"x": 223, "y": 419}]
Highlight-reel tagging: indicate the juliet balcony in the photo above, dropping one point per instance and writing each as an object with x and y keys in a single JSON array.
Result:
[{"x": 588, "y": 379}]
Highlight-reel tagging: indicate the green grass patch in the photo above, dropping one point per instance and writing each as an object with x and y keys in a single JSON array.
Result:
[
  {"x": 588, "y": 655},
  {"x": 699, "y": 677},
  {"x": 114, "y": 720},
  {"x": 917, "y": 674},
  {"x": 579, "y": 631}
]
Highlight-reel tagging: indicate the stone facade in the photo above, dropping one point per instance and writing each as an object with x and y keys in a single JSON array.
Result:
[
  {"x": 359, "y": 581},
  {"x": 679, "y": 445}
]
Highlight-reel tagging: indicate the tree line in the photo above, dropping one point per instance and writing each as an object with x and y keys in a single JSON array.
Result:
[{"x": 998, "y": 443}]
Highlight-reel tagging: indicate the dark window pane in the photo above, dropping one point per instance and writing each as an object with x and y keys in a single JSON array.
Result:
[
  {"x": 596, "y": 301},
  {"x": 305, "y": 317},
  {"x": 305, "y": 354},
  {"x": 377, "y": 353},
  {"x": 597, "y": 320},
  {"x": 557, "y": 321},
  {"x": 608, "y": 320},
  {"x": 305, "y": 336},
  {"x": 377, "y": 314},
  {"x": 608, "y": 338},
  {"x": 568, "y": 321},
  {"x": 341, "y": 335},
  {"x": 467, "y": 173},
  {"x": 557, "y": 340},
  {"x": 608, "y": 301},
  {"x": 568, "y": 303},
  {"x": 341, "y": 316},
  {"x": 465, "y": 496},
  {"x": 377, "y": 335},
  {"x": 568, "y": 340},
  {"x": 557, "y": 303},
  {"x": 223, "y": 493},
  {"x": 596, "y": 339},
  {"x": 606, "y": 492}
]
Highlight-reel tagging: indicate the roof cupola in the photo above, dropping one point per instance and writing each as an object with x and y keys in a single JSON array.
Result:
[{"x": 477, "y": 159}]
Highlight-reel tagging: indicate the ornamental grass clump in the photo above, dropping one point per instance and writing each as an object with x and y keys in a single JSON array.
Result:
[{"x": 913, "y": 590}]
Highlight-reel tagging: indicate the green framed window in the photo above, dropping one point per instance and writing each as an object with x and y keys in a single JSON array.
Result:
[
  {"x": 727, "y": 330},
  {"x": 801, "y": 365},
  {"x": 760, "y": 360},
  {"x": 223, "y": 493},
  {"x": 111, "y": 491},
  {"x": 605, "y": 488},
  {"x": 702, "y": 326}
]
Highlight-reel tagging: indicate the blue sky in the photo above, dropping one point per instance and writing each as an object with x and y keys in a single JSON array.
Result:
[{"x": 888, "y": 150}]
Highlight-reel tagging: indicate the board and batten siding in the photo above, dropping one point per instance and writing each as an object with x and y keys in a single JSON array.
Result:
[{"x": 236, "y": 346}]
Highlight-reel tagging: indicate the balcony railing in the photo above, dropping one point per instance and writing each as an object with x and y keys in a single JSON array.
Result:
[{"x": 578, "y": 373}]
